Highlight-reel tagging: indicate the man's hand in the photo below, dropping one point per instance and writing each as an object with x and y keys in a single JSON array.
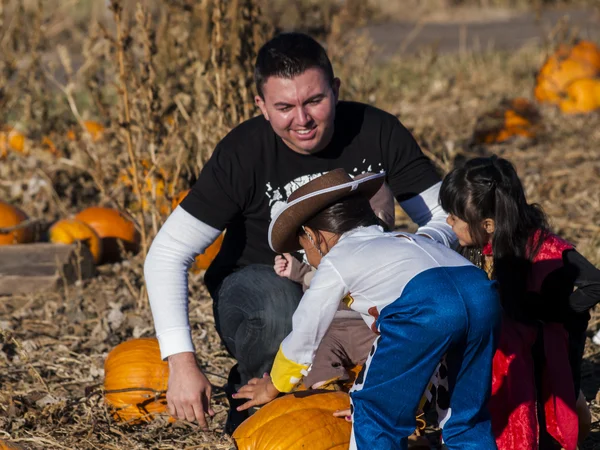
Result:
[
  {"x": 283, "y": 265},
  {"x": 189, "y": 391},
  {"x": 258, "y": 390}
]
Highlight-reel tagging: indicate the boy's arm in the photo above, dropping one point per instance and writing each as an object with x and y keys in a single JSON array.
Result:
[
  {"x": 310, "y": 322},
  {"x": 298, "y": 272}
]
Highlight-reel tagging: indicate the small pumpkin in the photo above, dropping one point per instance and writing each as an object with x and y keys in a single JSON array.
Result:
[
  {"x": 204, "y": 260},
  {"x": 302, "y": 419},
  {"x": 11, "y": 216},
  {"x": 48, "y": 145},
  {"x": 516, "y": 117},
  {"x": 582, "y": 96},
  {"x": 68, "y": 231},
  {"x": 112, "y": 227},
  {"x": 11, "y": 139},
  {"x": 152, "y": 183},
  {"x": 567, "y": 64},
  {"x": 94, "y": 128},
  {"x": 136, "y": 380}
]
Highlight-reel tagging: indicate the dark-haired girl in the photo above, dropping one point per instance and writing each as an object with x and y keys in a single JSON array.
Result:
[
  {"x": 536, "y": 369},
  {"x": 422, "y": 298}
]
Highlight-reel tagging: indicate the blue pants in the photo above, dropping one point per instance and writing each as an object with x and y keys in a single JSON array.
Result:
[{"x": 443, "y": 310}]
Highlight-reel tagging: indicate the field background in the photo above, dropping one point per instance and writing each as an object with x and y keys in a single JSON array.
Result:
[{"x": 167, "y": 80}]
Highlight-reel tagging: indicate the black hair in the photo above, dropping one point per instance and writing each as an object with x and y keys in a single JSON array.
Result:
[
  {"x": 489, "y": 188},
  {"x": 288, "y": 55},
  {"x": 347, "y": 214}
]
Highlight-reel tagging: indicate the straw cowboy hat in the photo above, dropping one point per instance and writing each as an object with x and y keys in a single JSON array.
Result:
[{"x": 313, "y": 197}]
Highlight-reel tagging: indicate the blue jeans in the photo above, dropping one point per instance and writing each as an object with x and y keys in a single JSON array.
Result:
[{"x": 253, "y": 310}]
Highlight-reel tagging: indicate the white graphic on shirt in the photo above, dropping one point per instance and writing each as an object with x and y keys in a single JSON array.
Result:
[{"x": 278, "y": 197}]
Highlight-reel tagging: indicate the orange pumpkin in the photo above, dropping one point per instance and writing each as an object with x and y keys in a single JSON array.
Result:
[
  {"x": 48, "y": 145},
  {"x": 94, "y": 128},
  {"x": 204, "y": 260},
  {"x": 5, "y": 445},
  {"x": 153, "y": 184},
  {"x": 298, "y": 420},
  {"x": 11, "y": 216},
  {"x": 112, "y": 227},
  {"x": 67, "y": 231},
  {"x": 11, "y": 139},
  {"x": 515, "y": 117},
  {"x": 135, "y": 381},
  {"x": 565, "y": 65},
  {"x": 582, "y": 96}
]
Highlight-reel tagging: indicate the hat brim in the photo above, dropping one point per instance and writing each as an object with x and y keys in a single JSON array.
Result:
[{"x": 283, "y": 230}]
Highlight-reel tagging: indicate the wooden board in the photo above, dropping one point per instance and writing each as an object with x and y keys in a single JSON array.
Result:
[{"x": 30, "y": 268}]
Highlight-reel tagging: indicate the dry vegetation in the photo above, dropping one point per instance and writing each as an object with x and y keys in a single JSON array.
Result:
[{"x": 167, "y": 84}]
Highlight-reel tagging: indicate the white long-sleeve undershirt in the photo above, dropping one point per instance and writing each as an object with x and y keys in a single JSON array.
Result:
[{"x": 178, "y": 242}]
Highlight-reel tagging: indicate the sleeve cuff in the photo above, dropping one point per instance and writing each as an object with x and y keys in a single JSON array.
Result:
[
  {"x": 175, "y": 341},
  {"x": 286, "y": 374}
]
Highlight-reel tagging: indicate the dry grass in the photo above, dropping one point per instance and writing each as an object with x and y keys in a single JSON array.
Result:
[{"x": 167, "y": 84}]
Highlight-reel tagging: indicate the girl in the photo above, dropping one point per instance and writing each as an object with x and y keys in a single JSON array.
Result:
[
  {"x": 423, "y": 299},
  {"x": 537, "y": 364}
]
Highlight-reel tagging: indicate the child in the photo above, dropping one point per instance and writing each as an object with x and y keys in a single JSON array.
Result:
[
  {"x": 422, "y": 298},
  {"x": 348, "y": 340},
  {"x": 544, "y": 323}
]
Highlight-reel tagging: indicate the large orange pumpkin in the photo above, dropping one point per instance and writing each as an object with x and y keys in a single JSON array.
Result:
[
  {"x": 582, "y": 96},
  {"x": 298, "y": 420},
  {"x": 565, "y": 65},
  {"x": 11, "y": 216},
  {"x": 112, "y": 227},
  {"x": 135, "y": 381},
  {"x": 68, "y": 231},
  {"x": 203, "y": 260}
]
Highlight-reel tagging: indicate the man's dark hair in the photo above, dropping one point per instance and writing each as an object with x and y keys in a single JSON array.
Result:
[{"x": 288, "y": 55}]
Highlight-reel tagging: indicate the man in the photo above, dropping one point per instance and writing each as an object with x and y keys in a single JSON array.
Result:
[{"x": 303, "y": 132}]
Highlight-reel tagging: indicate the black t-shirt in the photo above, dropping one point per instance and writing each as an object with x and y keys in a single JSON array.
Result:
[{"x": 252, "y": 172}]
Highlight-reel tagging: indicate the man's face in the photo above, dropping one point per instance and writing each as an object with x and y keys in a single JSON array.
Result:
[{"x": 301, "y": 110}]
